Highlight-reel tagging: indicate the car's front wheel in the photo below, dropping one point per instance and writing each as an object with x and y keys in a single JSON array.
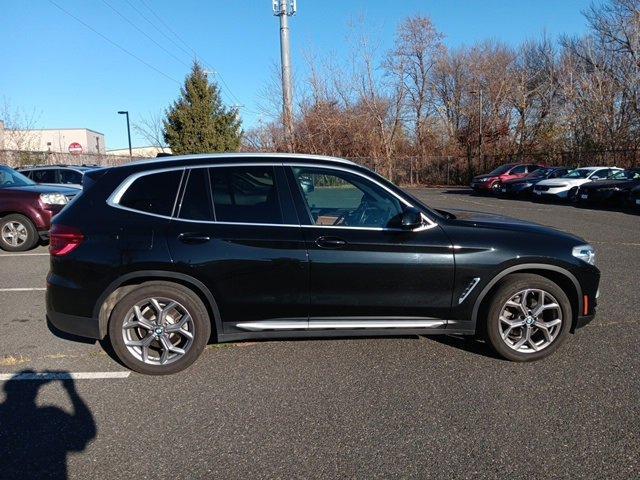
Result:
[
  {"x": 17, "y": 233},
  {"x": 529, "y": 317},
  {"x": 159, "y": 328}
]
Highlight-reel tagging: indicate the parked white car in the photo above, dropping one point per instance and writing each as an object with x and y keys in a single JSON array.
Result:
[{"x": 566, "y": 187}]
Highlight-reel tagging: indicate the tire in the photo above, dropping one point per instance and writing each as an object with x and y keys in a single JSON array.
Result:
[
  {"x": 556, "y": 334},
  {"x": 16, "y": 224},
  {"x": 126, "y": 327}
]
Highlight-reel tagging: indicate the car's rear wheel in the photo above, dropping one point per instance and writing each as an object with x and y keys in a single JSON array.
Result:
[
  {"x": 159, "y": 328},
  {"x": 17, "y": 233},
  {"x": 529, "y": 318}
]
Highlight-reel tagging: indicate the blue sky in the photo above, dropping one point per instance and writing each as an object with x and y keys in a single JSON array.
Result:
[{"x": 75, "y": 78}]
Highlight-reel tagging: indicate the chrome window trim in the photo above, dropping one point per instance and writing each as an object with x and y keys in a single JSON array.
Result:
[
  {"x": 430, "y": 223},
  {"x": 115, "y": 197}
]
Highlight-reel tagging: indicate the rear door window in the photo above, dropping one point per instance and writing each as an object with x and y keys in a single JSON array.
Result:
[
  {"x": 196, "y": 200},
  {"x": 44, "y": 176},
  {"x": 154, "y": 193},
  {"x": 245, "y": 195},
  {"x": 601, "y": 174},
  {"x": 70, "y": 177}
]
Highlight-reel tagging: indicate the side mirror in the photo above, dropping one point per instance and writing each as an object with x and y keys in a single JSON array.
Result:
[{"x": 411, "y": 219}]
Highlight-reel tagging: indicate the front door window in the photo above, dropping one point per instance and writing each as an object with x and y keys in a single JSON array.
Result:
[{"x": 343, "y": 199}]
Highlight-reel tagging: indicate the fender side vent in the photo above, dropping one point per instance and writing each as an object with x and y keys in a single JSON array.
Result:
[{"x": 468, "y": 289}]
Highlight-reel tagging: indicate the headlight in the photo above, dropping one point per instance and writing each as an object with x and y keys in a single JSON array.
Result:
[
  {"x": 53, "y": 199},
  {"x": 483, "y": 179},
  {"x": 586, "y": 253}
]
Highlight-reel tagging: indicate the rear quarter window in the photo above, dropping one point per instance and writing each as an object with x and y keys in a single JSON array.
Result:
[{"x": 154, "y": 193}]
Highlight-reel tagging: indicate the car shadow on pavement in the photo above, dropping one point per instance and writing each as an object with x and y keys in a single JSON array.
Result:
[
  {"x": 467, "y": 343},
  {"x": 35, "y": 440}
]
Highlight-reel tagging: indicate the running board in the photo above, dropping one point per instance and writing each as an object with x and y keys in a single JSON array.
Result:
[{"x": 336, "y": 324}]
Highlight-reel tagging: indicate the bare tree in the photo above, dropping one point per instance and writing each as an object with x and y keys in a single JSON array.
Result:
[
  {"x": 417, "y": 47},
  {"x": 18, "y": 126},
  {"x": 151, "y": 128}
]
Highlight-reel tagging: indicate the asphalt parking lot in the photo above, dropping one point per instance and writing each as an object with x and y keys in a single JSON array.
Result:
[{"x": 400, "y": 407}]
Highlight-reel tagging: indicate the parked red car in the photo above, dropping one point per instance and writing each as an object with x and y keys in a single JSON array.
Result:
[
  {"x": 26, "y": 209},
  {"x": 486, "y": 183}
]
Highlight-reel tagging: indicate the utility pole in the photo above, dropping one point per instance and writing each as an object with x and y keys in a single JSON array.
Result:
[
  {"x": 285, "y": 9},
  {"x": 123, "y": 112},
  {"x": 480, "y": 129}
]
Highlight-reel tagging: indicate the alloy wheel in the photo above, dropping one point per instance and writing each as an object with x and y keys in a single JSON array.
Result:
[
  {"x": 14, "y": 233},
  {"x": 530, "y": 321},
  {"x": 158, "y": 331}
]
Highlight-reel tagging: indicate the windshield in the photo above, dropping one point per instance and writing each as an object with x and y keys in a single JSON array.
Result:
[
  {"x": 540, "y": 173},
  {"x": 626, "y": 175},
  {"x": 10, "y": 178},
  {"x": 500, "y": 170},
  {"x": 579, "y": 173}
]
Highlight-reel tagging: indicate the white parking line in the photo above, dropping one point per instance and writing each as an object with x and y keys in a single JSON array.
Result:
[
  {"x": 24, "y": 254},
  {"x": 62, "y": 376},
  {"x": 22, "y": 289}
]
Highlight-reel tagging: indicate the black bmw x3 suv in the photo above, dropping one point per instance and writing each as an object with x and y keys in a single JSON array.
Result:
[{"x": 161, "y": 256}]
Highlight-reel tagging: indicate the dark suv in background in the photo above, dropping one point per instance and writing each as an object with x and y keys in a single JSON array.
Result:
[
  {"x": 249, "y": 246},
  {"x": 68, "y": 175},
  {"x": 520, "y": 187},
  {"x": 26, "y": 209}
]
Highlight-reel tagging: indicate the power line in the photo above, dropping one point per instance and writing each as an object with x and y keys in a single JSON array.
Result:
[
  {"x": 104, "y": 37},
  {"x": 158, "y": 29},
  {"x": 144, "y": 33},
  {"x": 195, "y": 54},
  {"x": 167, "y": 26}
]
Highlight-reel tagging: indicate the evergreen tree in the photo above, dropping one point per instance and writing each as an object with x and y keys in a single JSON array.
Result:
[{"x": 198, "y": 122}]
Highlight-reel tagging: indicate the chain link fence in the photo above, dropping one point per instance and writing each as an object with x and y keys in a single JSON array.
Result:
[
  {"x": 18, "y": 159},
  {"x": 455, "y": 170}
]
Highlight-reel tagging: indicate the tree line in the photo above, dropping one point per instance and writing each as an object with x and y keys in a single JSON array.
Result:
[{"x": 572, "y": 100}]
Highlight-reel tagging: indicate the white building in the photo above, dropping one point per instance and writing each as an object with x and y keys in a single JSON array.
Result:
[
  {"x": 140, "y": 152},
  {"x": 59, "y": 140}
]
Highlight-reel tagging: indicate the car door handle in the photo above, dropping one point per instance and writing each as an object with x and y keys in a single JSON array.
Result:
[
  {"x": 193, "y": 238},
  {"x": 330, "y": 242}
]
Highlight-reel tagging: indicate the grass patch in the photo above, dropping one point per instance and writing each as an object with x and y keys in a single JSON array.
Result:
[{"x": 11, "y": 360}]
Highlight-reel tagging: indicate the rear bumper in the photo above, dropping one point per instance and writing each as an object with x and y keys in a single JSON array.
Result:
[
  {"x": 79, "y": 326},
  {"x": 66, "y": 312}
]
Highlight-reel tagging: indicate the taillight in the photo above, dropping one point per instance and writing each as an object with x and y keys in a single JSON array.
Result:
[{"x": 64, "y": 240}]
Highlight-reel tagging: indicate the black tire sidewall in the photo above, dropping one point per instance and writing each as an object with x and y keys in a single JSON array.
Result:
[
  {"x": 509, "y": 287},
  {"x": 176, "y": 292},
  {"x": 32, "y": 233}
]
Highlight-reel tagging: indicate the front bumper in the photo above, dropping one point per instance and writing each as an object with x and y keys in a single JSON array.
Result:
[
  {"x": 551, "y": 193},
  {"x": 482, "y": 186},
  {"x": 583, "y": 321},
  {"x": 600, "y": 196},
  {"x": 517, "y": 189}
]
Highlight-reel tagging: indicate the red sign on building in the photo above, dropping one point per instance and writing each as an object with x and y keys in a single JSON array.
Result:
[{"x": 75, "y": 148}]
